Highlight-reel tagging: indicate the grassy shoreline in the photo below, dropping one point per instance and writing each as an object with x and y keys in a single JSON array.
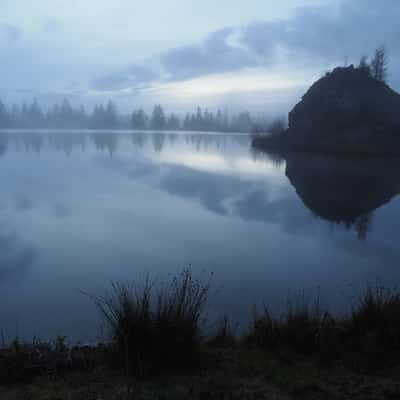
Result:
[
  {"x": 157, "y": 350},
  {"x": 282, "y": 144}
]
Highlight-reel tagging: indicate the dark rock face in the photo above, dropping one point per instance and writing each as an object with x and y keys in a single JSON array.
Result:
[{"x": 347, "y": 110}]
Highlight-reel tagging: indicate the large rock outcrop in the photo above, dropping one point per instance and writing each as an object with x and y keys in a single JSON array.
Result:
[{"x": 345, "y": 111}]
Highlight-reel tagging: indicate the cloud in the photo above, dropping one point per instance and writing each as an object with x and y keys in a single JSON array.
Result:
[
  {"x": 214, "y": 55},
  {"x": 52, "y": 26},
  {"x": 61, "y": 210},
  {"x": 315, "y": 37},
  {"x": 23, "y": 203},
  {"x": 10, "y": 33},
  {"x": 133, "y": 76},
  {"x": 329, "y": 33}
]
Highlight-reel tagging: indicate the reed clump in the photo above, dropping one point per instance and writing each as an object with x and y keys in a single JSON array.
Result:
[{"x": 156, "y": 327}]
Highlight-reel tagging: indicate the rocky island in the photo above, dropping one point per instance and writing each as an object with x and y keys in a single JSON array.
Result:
[{"x": 347, "y": 111}]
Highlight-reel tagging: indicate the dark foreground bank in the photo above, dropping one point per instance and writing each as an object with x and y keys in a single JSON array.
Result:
[{"x": 157, "y": 350}]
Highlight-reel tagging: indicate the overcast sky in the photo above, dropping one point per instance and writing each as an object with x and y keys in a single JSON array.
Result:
[{"x": 255, "y": 54}]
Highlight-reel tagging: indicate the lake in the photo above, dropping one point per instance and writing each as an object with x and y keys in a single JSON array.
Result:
[{"x": 81, "y": 209}]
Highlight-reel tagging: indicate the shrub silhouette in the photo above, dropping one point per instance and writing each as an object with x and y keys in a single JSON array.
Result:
[
  {"x": 301, "y": 328},
  {"x": 156, "y": 328},
  {"x": 375, "y": 325},
  {"x": 225, "y": 335}
]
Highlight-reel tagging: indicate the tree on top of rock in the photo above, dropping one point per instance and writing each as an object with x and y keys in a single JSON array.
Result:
[
  {"x": 379, "y": 65},
  {"x": 364, "y": 64}
]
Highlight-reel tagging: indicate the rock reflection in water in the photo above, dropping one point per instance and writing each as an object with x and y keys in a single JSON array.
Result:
[{"x": 344, "y": 190}]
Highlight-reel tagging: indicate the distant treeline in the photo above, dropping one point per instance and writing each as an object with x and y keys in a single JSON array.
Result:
[{"x": 64, "y": 116}]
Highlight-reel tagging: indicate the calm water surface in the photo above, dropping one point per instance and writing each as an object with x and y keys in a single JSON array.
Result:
[{"x": 80, "y": 209}]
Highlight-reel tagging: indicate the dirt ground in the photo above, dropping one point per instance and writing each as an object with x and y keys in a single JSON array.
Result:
[{"x": 235, "y": 374}]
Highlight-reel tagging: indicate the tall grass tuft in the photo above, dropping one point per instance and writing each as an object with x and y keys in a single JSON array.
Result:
[
  {"x": 155, "y": 328},
  {"x": 303, "y": 328},
  {"x": 368, "y": 339},
  {"x": 264, "y": 331},
  {"x": 224, "y": 335},
  {"x": 375, "y": 321},
  {"x": 302, "y": 324}
]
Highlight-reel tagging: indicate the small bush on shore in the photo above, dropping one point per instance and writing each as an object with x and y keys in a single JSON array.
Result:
[
  {"x": 374, "y": 327},
  {"x": 302, "y": 324},
  {"x": 377, "y": 315},
  {"x": 368, "y": 339},
  {"x": 300, "y": 328},
  {"x": 265, "y": 330},
  {"x": 224, "y": 336},
  {"x": 156, "y": 328},
  {"x": 277, "y": 127}
]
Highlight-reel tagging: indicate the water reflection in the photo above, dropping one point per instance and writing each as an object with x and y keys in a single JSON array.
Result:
[
  {"x": 70, "y": 141},
  {"x": 32, "y": 142},
  {"x": 340, "y": 190},
  {"x": 343, "y": 190},
  {"x": 84, "y": 208},
  {"x": 230, "y": 196},
  {"x": 16, "y": 258},
  {"x": 105, "y": 141},
  {"x": 66, "y": 142}
]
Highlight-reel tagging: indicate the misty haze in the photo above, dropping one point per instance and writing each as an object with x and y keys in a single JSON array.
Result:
[{"x": 199, "y": 200}]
